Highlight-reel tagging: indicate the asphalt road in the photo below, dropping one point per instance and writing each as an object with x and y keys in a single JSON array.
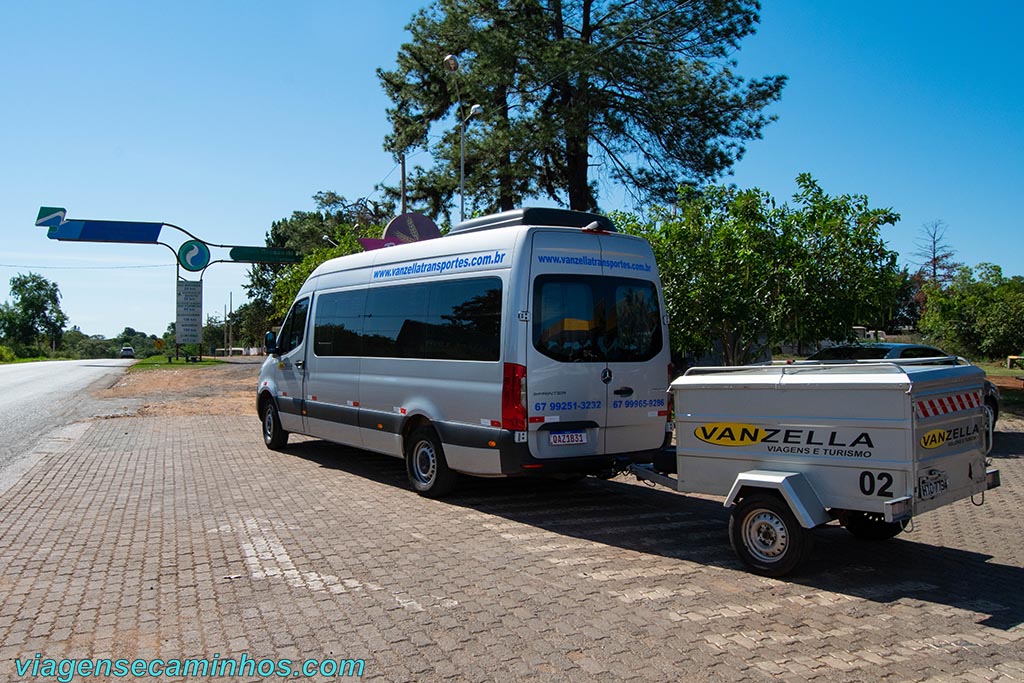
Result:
[{"x": 41, "y": 401}]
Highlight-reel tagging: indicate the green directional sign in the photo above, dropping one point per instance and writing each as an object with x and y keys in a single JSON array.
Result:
[{"x": 264, "y": 255}]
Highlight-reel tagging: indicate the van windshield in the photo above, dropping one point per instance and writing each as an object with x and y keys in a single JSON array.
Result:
[{"x": 593, "y": 318}]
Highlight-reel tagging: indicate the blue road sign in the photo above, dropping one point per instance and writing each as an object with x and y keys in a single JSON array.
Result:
[
  {"x": 59, "y": 228},
  {"x": 194, "y": 255}
]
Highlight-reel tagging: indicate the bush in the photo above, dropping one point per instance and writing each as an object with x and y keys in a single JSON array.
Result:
[{"x": 7, "y": 355}]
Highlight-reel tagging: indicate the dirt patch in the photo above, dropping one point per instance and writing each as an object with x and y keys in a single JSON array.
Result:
[
  {"x": 230, "y": 389},
  {"x": 1007, "y": 381},
  {"x": 225, "y": 389}
]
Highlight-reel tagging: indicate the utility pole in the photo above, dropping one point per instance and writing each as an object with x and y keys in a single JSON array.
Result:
[
  {"x": 231, "y": 313},
  {"x": 402, "y": 158}
]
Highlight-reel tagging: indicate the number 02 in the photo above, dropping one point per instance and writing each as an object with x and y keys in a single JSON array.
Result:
[{"x": 870, "y": 485}]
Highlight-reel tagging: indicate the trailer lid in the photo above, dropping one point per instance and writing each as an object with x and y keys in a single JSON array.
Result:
[{"x": 860, "y": 374}]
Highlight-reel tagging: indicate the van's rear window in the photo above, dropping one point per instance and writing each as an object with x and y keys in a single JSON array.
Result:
[{"x": 594, "y": 318}]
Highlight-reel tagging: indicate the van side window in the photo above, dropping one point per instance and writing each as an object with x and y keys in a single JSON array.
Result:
[
  {"x": 464, "y": 320},
  {"x": 593, "y": 318},
  {"x": 394, "y": 323},
  {"x": 448, "y": 320},
  {"x": 339, "y": 324},
  {"x": 293, "y": 327}
]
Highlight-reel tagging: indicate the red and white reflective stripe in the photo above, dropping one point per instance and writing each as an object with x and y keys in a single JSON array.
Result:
[{"x": 953, "y": 403}]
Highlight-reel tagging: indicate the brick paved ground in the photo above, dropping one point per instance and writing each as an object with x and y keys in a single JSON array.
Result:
[{"x": 184, "y": 537}]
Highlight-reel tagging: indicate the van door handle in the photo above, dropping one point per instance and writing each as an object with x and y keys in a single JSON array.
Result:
[
  {"x": 624, "y": 391},
  {"x": 300, "y": 364}
]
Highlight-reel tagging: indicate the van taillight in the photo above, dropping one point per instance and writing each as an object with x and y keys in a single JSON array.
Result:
[{"x": 513, "y": 398}]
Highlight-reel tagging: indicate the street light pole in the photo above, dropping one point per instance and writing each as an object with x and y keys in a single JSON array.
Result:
[
  {"x": 451, "y": 64},
  {"x": 473, "y": 111}
]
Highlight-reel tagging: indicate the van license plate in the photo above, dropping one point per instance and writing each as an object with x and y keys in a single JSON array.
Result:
[
  {"x": 567, "y": 438},
  {"x": 929, "y": 487}
]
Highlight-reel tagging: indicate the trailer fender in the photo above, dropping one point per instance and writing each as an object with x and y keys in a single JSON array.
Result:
[{"x": 792, "y": 486}]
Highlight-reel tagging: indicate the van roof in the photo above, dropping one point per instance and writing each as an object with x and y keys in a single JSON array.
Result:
[
  {"x": 535, "y": 216},
  {"x": 490, "y": 235}
]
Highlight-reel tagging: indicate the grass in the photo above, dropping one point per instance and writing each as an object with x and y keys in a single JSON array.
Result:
[
  {"x": 999, "y": 369},
  {"x": 160, "y": 363}
]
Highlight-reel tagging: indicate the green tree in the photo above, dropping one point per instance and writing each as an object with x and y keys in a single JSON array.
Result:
[
  {"x": 979, "y": 313},
  {"x": 144, "y": 344},
  {"x": 742, "y": 274},
  {"x": 847, "y": 274},
  {"x": 251, "y": 322},
  {"x": 214, "y": 333},
  {"x": 337, "y": 219},
  {"x": 721, "y": 255},
  {"x": 644, "y": 91},
  {"x": 71, "y": 340},
  {"x": 35, "y": 314},
  {"x": 291, "y": 280}
]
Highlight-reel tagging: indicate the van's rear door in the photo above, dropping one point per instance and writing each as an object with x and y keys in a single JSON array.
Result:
[
  {"x": 637, "y": 351},
  {"x": 594, "y": 370}
]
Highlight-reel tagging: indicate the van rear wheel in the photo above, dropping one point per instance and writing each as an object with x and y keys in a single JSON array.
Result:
[{"x": 426, "y": 465}]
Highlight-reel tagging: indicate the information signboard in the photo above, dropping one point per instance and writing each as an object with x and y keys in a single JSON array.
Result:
[{"x": 188, "y": 324}]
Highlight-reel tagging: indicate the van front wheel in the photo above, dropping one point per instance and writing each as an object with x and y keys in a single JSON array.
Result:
[
  {"x": 273, "y": 435},
  {"x": 426, "y": 465}
]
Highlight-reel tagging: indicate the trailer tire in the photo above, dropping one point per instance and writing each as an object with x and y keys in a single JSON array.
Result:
[
  {"x": 766, "y": 536},
  {"x": 426, "y": 465},
  {"x": 870, "y": 526}
]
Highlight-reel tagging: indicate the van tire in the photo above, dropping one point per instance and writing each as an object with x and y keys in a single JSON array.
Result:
[
  {"x": 766, "y": 536},
  {"x": 274, "y": 436},
  {"x": 870, "y": 526},
  {"x": 426, "y": 465}
]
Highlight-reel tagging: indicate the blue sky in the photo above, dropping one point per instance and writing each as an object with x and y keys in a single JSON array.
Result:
[{"x": 223, "y": 117}]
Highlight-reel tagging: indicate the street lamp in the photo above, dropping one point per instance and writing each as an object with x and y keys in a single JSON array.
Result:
[
  {"x": 451, "y": 64},
  {"x": 473, "y": 111}
]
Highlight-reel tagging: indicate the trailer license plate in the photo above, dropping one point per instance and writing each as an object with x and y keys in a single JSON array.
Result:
[
  {"x": 567, "y": 438},
  {"x": 931, "y": 486}
]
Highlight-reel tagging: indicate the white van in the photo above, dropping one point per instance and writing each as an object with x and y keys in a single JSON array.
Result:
[{"x": 533, "y": 341}]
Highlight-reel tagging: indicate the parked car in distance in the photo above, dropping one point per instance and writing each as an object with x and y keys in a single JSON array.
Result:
[
  {"x": 127, "y": 352},
  {"x": 893, "y": 351}
]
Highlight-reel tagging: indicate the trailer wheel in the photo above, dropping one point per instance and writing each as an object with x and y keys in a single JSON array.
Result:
[
  {"x": 766, "y": 535},
  {"x": 426, "y": 465},
  {"x": 870, "y": 526},
  {"x": 273, "y": 435}
]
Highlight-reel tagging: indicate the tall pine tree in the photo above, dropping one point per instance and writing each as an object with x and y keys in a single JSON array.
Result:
[{"x": 640, "y": 92}]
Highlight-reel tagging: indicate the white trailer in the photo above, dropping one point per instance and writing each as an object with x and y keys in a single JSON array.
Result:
[{"x": 792, "y": 447}]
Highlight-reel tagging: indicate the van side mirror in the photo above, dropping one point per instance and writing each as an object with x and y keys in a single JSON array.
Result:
[{"x": 270, "y": 341}]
